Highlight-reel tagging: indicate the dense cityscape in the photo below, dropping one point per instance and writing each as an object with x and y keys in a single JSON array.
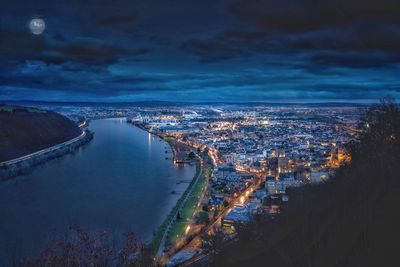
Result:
[
  {"x": 187, "y": 133},
  {"x": 248, "y": 159}
]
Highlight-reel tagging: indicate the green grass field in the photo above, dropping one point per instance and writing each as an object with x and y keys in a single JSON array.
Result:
[
  {"x": 188, "y": 210},
  {"x": 160, "y": 231}
]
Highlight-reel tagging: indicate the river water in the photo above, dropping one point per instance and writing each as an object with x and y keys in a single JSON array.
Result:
[{"x": 123, "y": 180}]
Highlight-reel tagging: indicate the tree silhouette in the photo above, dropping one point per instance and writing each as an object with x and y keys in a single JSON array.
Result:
[
  {"x": 81, "y": 248},
  {"x": 212, "y": 243}
]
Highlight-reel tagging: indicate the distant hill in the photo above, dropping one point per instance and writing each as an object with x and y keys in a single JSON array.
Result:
[
  {"x": 26, "y": 130},
  {"x": 352, "y": 220},
  {"x": 175, "y": 103}
]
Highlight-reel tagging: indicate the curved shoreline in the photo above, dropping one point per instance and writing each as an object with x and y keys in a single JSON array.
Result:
[
  {"x": 161, "y": 234},
  {"x": 22, "y": 165},
  {"x": 12, "y": 168},
  {"x": 169, "y": 173}
]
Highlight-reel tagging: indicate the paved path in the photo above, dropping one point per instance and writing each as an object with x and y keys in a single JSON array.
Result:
[{"x": 165, "y": 235}]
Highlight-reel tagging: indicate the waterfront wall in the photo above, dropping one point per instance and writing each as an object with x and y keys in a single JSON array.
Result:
[{"x": 20, "y": 167}]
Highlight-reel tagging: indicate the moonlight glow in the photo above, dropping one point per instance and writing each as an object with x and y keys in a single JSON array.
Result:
[{"x": 37, "y": 26}]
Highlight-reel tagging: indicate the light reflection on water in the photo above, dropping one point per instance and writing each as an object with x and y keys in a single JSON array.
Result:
[{"x": 121, "y": 181}]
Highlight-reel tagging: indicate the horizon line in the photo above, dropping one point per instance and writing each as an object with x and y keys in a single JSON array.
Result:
[{"x": 355, "y": 103}]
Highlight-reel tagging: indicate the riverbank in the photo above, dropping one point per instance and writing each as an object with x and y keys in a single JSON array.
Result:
[
  {"x": 170, "y": 228},
  {"x": 22, "y": 165},
  {"x": 161, "y": 236},
  {"x": 120, "y": 182},
  {"x": 175, "y": 146}
]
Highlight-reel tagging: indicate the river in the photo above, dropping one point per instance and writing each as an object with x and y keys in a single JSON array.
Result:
[{"x": 121, "y": 181}]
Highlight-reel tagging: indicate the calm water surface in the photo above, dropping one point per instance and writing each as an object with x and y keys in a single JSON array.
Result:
[{"x": 121, "y": 181}]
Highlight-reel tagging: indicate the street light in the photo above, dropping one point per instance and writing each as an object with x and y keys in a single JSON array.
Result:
[{"x": 187, "y": 230}]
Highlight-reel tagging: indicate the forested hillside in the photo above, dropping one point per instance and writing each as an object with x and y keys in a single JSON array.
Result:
[{"x": 24, "y": 130}]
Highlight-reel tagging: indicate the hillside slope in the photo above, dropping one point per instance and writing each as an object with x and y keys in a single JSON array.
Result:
[
  {"x": 23, "y": 131},
  {"x": 352, "y": 220}
]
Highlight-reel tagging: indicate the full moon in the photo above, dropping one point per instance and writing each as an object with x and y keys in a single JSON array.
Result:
[{"x": 37, "y": 26}]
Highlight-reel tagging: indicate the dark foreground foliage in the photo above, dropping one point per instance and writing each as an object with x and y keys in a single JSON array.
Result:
[
  {"x": 79, "y": 248},
  {"x": 352, "y": 220}
]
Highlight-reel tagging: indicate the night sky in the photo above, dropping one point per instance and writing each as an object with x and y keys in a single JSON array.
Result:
[{"x": 204, "y": 50}]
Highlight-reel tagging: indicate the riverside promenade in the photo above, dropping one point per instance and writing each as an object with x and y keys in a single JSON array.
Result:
[{"x": 182, "y": 203}]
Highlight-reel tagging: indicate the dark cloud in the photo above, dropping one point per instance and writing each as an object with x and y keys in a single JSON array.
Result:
[
  {"x": 304, "y": 27},
  {"x": 184, "y": 49},
  {"x": 229, "y": 45},
  {"x": 117, "y": 23},
  {"x": 99, "y": 83},
  {"x": 88, "y": 51},
  {"x": 309, "y": 15},
  {"x": 117, "y": 20},
  {"x": 351, "y": 48},
  {"x": 354, "y": 60},
  {"x": 140, "y": 51},
  {"x": 360, "y": 38},
  {"x": 23, "y": 46},
  {"x": 211, "y": 50}
]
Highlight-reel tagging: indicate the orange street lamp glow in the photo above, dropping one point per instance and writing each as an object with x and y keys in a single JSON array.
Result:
[{"x": 187, "y": 230}]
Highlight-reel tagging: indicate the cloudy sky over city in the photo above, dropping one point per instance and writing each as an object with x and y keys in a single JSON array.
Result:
[{"x": 200, "y": 51}]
